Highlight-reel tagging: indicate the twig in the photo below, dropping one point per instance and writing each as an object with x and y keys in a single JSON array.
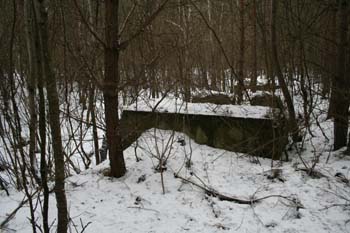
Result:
[
  {"x": 81, "y": 120},
  {"x": 83, "y": 19},
  {"x": 312, "y": 172},
  {"x": 140, "y": 208},
  {"x": 335, "y": 205},
  {"x": 214, "y": 193},
  {"x": 239, "y": 79},
  {"x": 84, "y": 226},
  {"x": 223, "y": 197},
  {"x": 13, "y": 213},
  {"x": 3, "y": 186},
  {"x": 140, "y": 31}
]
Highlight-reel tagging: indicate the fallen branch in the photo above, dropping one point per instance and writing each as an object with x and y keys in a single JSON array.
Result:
[
  {"x": 141, "y": 208},
  {"x": 223, "y": 197},
  {"x": 312, "y": 172}
]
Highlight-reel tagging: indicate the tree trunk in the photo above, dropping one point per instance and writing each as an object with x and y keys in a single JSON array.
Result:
[
  {"x": 340, "y": 87},
  {"x": 212, "y": 77},
  {"x": 110, "y": 90},
  {"x": 254, "y": 76},
  {"x": 328, "y": 59},
  {"x": 54, "y": 114},
  {"x": 42, "y": 133},
  {"x": 31, "y": 84},
  {"x": 17, "y": 129},
  {"x": 43, "y": 163},
  {"x": 239, "y": 93},
  {"x": 35, "y": 66},
  {"x": 276, "y": 65},
  {"x": 93, "y": 121},
  {"x": 348, "y": 75}
]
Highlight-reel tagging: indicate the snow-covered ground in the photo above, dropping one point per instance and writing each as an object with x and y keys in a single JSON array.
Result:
[
  {"x": 291, "y": 202},
  {"x": 136, "y": 203}
]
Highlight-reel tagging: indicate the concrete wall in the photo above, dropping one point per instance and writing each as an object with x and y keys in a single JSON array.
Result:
[{"x": 260, "y": 137}]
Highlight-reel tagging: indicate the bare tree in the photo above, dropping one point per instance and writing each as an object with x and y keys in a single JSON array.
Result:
[
  {"x": 277, "y": 68},
  {"x": 254, "y": 76},
  {"x": 339, "y": 103},
  {"x": 242, "y": 49},
  {"x": 54, "y": 117},
  {"x": 110, "y": 88}
]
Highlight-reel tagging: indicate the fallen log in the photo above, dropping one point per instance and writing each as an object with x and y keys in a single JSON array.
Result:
[{"x": 223, "y": 197}]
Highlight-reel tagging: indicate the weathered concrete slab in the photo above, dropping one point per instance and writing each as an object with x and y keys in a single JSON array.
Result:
[{"x": 257, "y": 136}]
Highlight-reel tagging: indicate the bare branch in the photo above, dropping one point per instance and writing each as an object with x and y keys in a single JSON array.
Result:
[
  {"x": 221, "y": 48},
  {"x": 127, "y": 19},
  {"x": 141, "y": 30},
  {"x": 224, "y": 197},
  {"x": 94, "y": 34}
]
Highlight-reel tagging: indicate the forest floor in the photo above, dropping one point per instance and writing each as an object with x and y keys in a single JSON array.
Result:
[{"x": 293, "y": 201}]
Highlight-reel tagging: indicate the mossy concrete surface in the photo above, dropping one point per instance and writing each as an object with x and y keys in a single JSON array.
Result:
[{"x": 259, "y": 137}]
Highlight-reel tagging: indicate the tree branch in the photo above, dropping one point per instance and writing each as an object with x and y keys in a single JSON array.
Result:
[
  {"x": 239, "y": 79},
  {"x": 223, "y": 197},
  {"x": 124, "y": 44},
  {"x": 94, "y": 34},
  {"x": 127, "y": 19}
]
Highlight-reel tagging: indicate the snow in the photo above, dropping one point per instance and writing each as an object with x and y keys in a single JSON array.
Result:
[
  {"x": 131, "y": 204},
  {"x": 126, "y": 205},
  {"x": 173, "y": 105}
]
